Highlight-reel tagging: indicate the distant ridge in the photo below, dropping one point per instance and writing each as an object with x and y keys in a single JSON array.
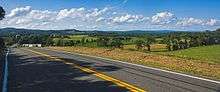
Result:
[
  {"x": 20, "y": 31},
  {"x": 16, "y": 31}
]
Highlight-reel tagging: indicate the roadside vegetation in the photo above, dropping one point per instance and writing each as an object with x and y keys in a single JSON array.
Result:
[
  {"x": 2, "y": 46},
  {"x": 2, "y": 43}
]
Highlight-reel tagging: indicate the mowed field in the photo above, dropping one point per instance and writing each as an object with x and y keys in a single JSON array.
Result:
[
  {"x": 210, "y": 54},
  {"x": 77, "y": 37},
  {"x": 208, "y": 66}
]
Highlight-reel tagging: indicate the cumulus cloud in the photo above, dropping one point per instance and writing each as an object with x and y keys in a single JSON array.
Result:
[
  {"x": 163, "y": 18},
  {"x": 196, "y": 22},
  {"x": 99, "y": 19},
  {"x": 19, "y": 11},
  {"x": 212, "y": 22},
  {"x": 189, "y": 22},
  {"x": 128, "y": 19},
  {"x": 72, "y": 13},
  {"x": 41, "y": 15},
  {"x": 97, "y": 12}
]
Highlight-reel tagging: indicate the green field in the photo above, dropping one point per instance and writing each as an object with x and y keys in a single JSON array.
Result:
[
  {"x": 202, "y": 53},
  {"x": 80, "y": 37}
]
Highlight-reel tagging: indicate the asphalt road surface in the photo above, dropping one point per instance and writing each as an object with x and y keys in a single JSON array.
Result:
[{"x": 43, "y": 70}]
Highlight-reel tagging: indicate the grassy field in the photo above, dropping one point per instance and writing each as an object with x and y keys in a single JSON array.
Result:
[
  {"x": 209, "y": 54},
  {"x": 80, "y": 37},
  {"x": 77, "y": 37},
  {"x": 183, "y": 65}
]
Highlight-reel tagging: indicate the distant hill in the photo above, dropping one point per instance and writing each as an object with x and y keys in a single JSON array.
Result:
[
  {"x": 150, "y": 31},
  {"x": 131, "y": 32},
  {"x": 15, "y": 31}
]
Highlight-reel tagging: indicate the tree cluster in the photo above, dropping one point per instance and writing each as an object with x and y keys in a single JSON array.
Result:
[
  {"x": 2, "y": 43},
  {"x": 187, "y": 40},
  {"x": 145, "y": 42},
  {"x": 115, "y": 42}
]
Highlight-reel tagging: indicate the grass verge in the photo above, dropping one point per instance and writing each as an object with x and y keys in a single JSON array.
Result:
[{"x": 209, "y": 54}]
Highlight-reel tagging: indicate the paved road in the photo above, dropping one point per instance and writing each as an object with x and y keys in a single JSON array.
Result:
[{"x": 33, "y": 72}]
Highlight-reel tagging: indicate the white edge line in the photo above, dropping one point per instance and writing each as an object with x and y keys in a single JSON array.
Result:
[
  {"x": 218, "y": 82},
  {"x": 5, "y": 78}
]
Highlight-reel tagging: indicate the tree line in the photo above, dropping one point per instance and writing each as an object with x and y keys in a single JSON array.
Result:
[
  {"x": 187, "y": 40},
  {"x": 2, "y": 43},
  {"x": 174, "y": 41}
]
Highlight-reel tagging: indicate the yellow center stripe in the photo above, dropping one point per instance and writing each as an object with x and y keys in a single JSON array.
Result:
[{"x": 120, "y": 83}]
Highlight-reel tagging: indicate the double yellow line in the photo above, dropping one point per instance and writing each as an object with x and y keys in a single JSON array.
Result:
[{"x": 120, "y": 83}]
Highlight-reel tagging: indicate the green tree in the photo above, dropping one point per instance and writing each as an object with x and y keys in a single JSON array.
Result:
[
  {"x": 72, "y": 43},
  {"x": 168, "y": 43},
  {"x": 116, "y": 43},
  {"x": 103, "y": 41},
  {"x": 2, "y": 13},
  {"x": 218, "y": 30},
  {"x": 175, "y": 45},
  {"x": 145, "y": 42},
  {"x": 139, "y": 44},
  {"x": 9, "y": 41},
  {"x": 83, "y": 40},
  {"x": 58, "y": 42},
  {"x": 49, "y": 42},
  {"x": 2, "y": 45},
  {"x": 148, "y": 41}
]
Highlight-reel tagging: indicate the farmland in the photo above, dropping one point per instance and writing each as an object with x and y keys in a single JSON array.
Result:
[
  {"x": 203, "y": 53},
  {"x": 197, "y": 60}
]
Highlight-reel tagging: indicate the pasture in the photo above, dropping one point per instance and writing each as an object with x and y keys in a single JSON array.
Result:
[{"x": 202, "y": 53}]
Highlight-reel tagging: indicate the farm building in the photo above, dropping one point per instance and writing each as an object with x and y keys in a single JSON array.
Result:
[{"x": 31, "y": 45}]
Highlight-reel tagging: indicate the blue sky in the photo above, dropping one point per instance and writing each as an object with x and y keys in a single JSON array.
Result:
[{"x": 114, "y": 14}]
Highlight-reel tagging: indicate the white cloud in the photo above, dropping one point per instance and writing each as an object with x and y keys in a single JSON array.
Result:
[
  {"x": 128, "y": 19},
  {"x": 100, "y": 19},
  {"x": 41, "y": 15},
  {"x": 114, "y": 13},
  {"x": 190, "y": 22},
  {"x": 21, "y": 21},
  {"x": 212, "y": 22},
  {"x": 197, "y": 22},
  {"x": 163, "y": 18},
  {"x": 19, "y": 11},
  {"x": 72, "y": 13},
  {"x": 97, "y": 12}
]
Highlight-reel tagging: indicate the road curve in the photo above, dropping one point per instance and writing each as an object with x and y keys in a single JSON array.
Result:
[{"x": 29, "y": 72}]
